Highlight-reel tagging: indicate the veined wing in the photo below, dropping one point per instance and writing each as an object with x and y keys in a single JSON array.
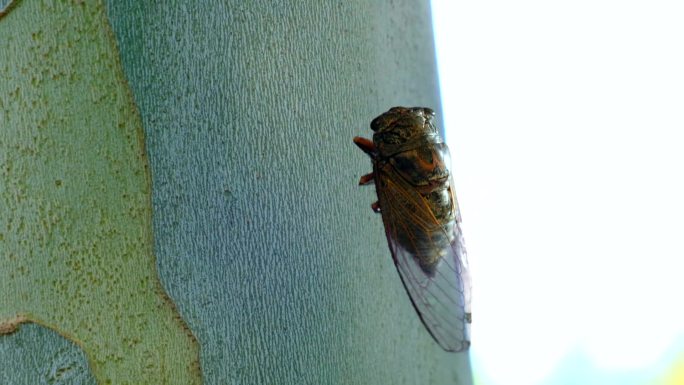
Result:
[{"x": 441, "y": 297}]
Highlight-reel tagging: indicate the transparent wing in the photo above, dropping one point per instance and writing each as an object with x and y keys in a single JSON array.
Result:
[{"x": 442, "y": 296}]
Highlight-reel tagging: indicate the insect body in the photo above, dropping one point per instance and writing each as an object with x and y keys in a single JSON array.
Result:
[{"x": 422, "y": 221}]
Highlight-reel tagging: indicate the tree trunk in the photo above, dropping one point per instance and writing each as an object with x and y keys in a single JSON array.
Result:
[{"x": 184, "y": 208}]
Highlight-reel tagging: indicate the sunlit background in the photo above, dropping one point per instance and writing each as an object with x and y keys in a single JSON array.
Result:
[{"x": 566, "y": 126}]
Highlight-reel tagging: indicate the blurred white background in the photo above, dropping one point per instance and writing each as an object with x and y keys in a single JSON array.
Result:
[{"x": 566, "y": 127}]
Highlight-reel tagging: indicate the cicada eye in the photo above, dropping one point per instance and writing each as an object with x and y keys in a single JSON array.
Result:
[
  {"x": 388, "y": 118},
  {"x": 377, "y": 123}
]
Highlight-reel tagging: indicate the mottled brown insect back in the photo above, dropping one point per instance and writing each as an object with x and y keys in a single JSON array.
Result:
[{"x": 422, "y": 220}]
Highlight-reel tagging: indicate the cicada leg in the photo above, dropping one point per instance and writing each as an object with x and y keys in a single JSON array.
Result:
[
  {"x": 366, "y": 145},
  {"x": 367, "y": 179}
]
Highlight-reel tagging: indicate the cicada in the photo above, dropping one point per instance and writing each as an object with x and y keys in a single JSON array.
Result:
[{"x": 411, "y": 172}]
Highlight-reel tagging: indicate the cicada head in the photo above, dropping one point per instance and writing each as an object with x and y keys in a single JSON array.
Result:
[{"x": 401, "y": 127}]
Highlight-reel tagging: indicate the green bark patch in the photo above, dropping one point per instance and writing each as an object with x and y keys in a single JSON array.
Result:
[{"x": 75, "y": 218}]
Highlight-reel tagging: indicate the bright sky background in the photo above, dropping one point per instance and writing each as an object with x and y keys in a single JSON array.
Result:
[{"x": 566, "y": 127}]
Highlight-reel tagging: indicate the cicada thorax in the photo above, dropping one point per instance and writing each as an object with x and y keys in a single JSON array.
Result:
[
  {"x": 413, "y": 157},
  {"x": 428, "y": 231}
]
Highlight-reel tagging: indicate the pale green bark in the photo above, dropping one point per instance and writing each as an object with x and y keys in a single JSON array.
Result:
[{"x": 75, "y": 218}]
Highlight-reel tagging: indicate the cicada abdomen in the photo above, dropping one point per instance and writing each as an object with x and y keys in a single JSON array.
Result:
[{"x": 422, "y": 220}]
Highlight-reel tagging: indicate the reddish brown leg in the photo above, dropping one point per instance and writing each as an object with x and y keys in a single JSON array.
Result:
[
  {"x": 366, "y": 145},
  {"x": 376, "y": 206},
  {"x": 367, "y": 179}
]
